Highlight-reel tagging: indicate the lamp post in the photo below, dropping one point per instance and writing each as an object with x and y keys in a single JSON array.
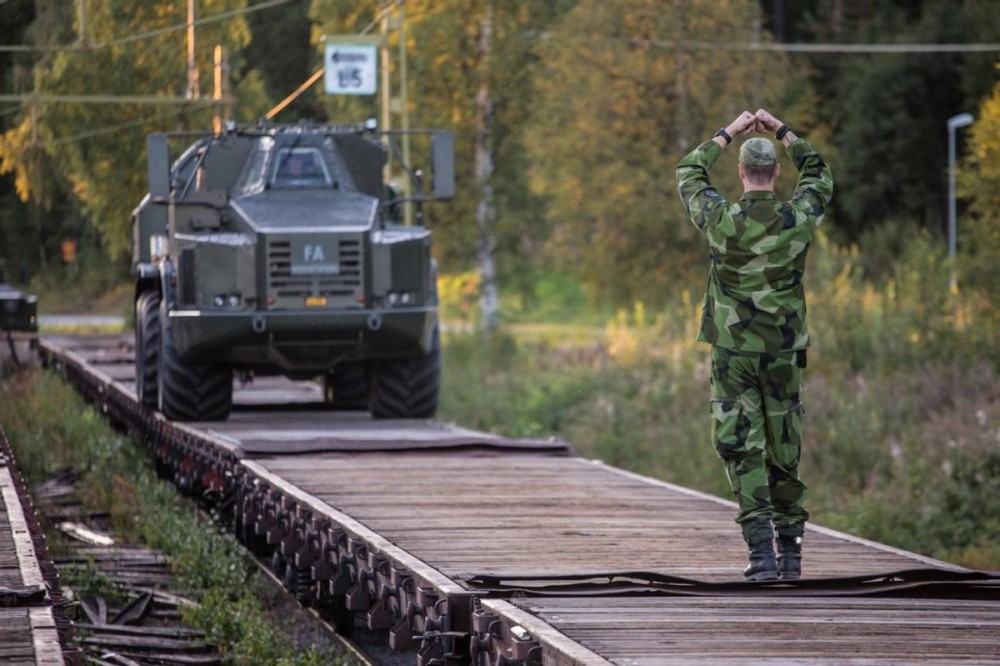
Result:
[{"x": 954, "y": 123}]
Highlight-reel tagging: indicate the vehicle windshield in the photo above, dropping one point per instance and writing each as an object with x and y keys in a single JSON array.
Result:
[{"x": 300, "y": 167}]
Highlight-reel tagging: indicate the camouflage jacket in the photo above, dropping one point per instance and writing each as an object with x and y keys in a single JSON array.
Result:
[{"x": 755, "y": 301}]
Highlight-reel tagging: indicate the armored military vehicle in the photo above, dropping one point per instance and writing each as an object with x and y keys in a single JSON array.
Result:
[
  {"x": 18, "y": 311},
  {"x": 281, "y": 250}
]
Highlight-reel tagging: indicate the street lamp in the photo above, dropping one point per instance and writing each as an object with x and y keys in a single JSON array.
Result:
[{"x": 955, "y": 122}]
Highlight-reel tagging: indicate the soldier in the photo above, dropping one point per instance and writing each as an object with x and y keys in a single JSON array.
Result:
[{"x": 754, "y": 316}]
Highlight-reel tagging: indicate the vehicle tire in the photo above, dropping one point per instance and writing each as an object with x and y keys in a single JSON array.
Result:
[
  {"x": 347, "y": 385},
  {"x": 190, "y": 392},
  {"x": 407, "y": 388},
  {"x": 147, "y": 348}
]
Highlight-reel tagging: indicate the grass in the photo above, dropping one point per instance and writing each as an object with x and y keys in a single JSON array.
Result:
[{"x": 50, "y": 428}]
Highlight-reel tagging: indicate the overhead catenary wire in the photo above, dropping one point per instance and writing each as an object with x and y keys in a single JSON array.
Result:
[
  {"x": 277, "y": 108},
  {"x": 215, "y": 18},
  {"x": 119, "y": 127},
  {"x": 696, "y": 45},
  {"x": 32, "y": 98}
]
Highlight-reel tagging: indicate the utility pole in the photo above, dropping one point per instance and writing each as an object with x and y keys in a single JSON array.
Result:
[
  {"x": 219, "y": 94},
  {"x": 192, "y": 68},
  {"x": 81, "y": 19},
  {"x": 395, "y": 103}
]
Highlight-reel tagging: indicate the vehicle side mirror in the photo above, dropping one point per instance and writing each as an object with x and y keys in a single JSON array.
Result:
[
  {"x": 443, "y": 164},
  {"x": 158, "y": 164}
]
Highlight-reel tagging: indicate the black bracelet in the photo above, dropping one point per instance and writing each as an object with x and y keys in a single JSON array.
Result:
[
  {"x": 725, "y": 135},
  {"x": 782, "y": 131}
]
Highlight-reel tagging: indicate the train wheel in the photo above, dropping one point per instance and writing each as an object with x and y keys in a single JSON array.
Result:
[
  {"x": 147, "y": 348},
  {"x": 407, "y": 388},
  {"x": 190, "y": 392}
]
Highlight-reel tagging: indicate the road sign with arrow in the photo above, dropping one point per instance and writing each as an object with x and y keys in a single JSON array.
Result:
[{"x": 351, "y": 68}]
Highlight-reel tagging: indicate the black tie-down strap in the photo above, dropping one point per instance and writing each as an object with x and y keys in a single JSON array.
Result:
[
  {"x": 926, "y": 583},
  {"x": 32, "y": 595}
]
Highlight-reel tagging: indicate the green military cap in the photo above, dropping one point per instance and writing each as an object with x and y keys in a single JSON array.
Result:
[{"x": 758, "y": 151}]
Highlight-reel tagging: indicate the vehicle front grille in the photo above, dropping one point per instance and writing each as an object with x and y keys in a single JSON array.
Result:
[{"x": 341, "y": 290}]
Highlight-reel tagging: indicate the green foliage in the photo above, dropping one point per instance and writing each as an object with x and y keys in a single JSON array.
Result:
[
  {"x": 593, "y": 103},
  {"x": 888, "y": 111},
  {"x": 50, "y": 428},
  {"x": 620, "y": 99},
  {"x": 979, "y": 180},
  {"x": 97, "y": 152}
]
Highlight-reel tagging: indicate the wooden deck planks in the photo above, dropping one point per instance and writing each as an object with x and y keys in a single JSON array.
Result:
[
  {"x": 774, "y": 630},
  {"x": 16, "y": 642},
  {"x": 530, "y": 514}
]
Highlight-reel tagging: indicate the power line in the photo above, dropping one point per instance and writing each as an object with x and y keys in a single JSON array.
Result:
[
  {"x": 32, "y": 98},
  {"x": 277, "y": 108},
  {"x": 116, "y": 128},
  {"x": 824, "y": 48},
  {"x": 145, "y": 35}
]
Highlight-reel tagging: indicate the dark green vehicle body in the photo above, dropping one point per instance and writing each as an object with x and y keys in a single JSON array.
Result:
[
  {"x": 278, "y": 251},
  {"x": 18, "y": 311}
]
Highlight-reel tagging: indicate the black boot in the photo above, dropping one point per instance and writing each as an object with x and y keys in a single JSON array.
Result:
[
  {"x": 789, "y": 557},
  {"x": 762, "y": 565}
]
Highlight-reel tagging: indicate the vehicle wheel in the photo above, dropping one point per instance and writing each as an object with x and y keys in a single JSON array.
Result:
[
  {"x": 407, "y": 388},
  {"x": 147, "y": 348},
  {"x": 190, "y": 392},
  {"x": 346, "y": 385}
]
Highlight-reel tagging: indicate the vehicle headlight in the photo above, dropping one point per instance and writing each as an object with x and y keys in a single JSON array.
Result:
[{"x": 157, "y": 247}]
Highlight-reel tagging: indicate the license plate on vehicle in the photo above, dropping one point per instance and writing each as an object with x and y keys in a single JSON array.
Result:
[{"x": 315, "y": 301}]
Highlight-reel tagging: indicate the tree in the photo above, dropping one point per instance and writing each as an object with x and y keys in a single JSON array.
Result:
[
  {"x": 98, "y": 151},
  {"x": 475, "y": 62},
  {"x": 888, "y": 110},
  {"x": 624, "y": 91},
  {"x": 448, "y": 69},
  {"x": 282, "y": 53},
  {"x": 979, "y": 181}
]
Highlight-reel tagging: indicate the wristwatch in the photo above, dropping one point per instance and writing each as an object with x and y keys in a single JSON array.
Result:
[{"x": 725, "y": 135}]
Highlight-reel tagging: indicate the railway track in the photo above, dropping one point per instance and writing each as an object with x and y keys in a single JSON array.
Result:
[
  {"x": 463, "y": 547},
  {"x": 33, "y": 627}
]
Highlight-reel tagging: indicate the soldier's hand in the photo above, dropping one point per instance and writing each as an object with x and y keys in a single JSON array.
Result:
[
  {"x": 766, "y": 121},
  {"x": 744, "y": 124}
]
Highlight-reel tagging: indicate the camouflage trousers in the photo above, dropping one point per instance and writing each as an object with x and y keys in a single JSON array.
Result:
[{"x": 757, "y": 431}]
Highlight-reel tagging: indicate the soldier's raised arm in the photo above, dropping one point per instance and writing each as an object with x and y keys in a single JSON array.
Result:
[
  {"x": 814, "y": 190},
  {"x": 701, "y": 200}
]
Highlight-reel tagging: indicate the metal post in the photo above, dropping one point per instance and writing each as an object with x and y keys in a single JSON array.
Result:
[
  {"x": 218, "y": 119},
  {"x": 955, "y": 122},
  {"x": 404, "y": 113},
  {"x": 192, "y": 68},
  {"x": 81, "y": 15},
  {"x": 386, "y": 121}
]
